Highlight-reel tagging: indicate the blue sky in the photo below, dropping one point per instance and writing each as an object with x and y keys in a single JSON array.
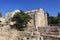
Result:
[{"x": 51, "y": 6}]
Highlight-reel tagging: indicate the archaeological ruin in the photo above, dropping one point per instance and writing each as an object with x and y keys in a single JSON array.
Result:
[{"x": 37, "y": 28}]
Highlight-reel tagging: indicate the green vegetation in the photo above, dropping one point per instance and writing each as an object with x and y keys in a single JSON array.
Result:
[
  {"x": 58, "y": 18},
  {"x": 21, "y": 19},
  {"x": 53, "y": 20},
  {"x": 0, "y": 14}
]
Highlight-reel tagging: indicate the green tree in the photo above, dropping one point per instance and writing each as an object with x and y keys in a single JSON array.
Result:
[
  {"x": 58, "y": 19},
  {"x": 58, "y": 14},
  {"x": 21, "y": 19},
  {"x": 0, "y": 14},
  {"x": 52, "y": 20}
]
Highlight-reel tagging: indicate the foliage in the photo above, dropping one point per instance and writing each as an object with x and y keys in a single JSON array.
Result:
[
  {"x": 0, "y": 14},
  {"x": 58, "y": 18},
  {"x": 21, "y": 19},
  {"x": 53, "y": 20}
]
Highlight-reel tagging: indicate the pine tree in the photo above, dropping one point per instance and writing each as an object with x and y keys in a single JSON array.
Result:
[{"x": 0, "y": 14}]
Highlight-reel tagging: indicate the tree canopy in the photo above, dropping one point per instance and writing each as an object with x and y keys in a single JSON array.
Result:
[
  {"x": 0, "y": 14},
  {"x": 21, "y": 19},
  {"x": 58, "y": 19},
  {"x": 54, "y": 20}
]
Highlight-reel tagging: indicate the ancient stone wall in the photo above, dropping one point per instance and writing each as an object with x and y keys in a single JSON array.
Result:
[
  {"x": 50, "y": 38},
  {"x": 38, "y": 17}
]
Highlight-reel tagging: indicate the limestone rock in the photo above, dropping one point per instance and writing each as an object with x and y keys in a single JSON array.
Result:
[{"x": 7, "y": 33}]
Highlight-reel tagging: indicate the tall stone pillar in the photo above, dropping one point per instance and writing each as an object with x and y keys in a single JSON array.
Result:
[
  {"x": 46, "y": 21},
  {"x": 39, "y": 18}
]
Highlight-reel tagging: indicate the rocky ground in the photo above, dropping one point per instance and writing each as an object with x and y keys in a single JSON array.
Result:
[{"x": 6, "y": 33}]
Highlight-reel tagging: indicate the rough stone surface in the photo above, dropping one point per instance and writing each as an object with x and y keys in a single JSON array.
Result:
[{"x": 6, "y": 33}]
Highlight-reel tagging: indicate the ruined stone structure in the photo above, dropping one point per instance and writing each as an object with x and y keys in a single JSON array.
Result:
[
  {"x": 38, "y": 21},
  {"x": 2, "y": 21},
  {"x": 39, "y": 18},
  {"x": 10, "y": 14}
]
